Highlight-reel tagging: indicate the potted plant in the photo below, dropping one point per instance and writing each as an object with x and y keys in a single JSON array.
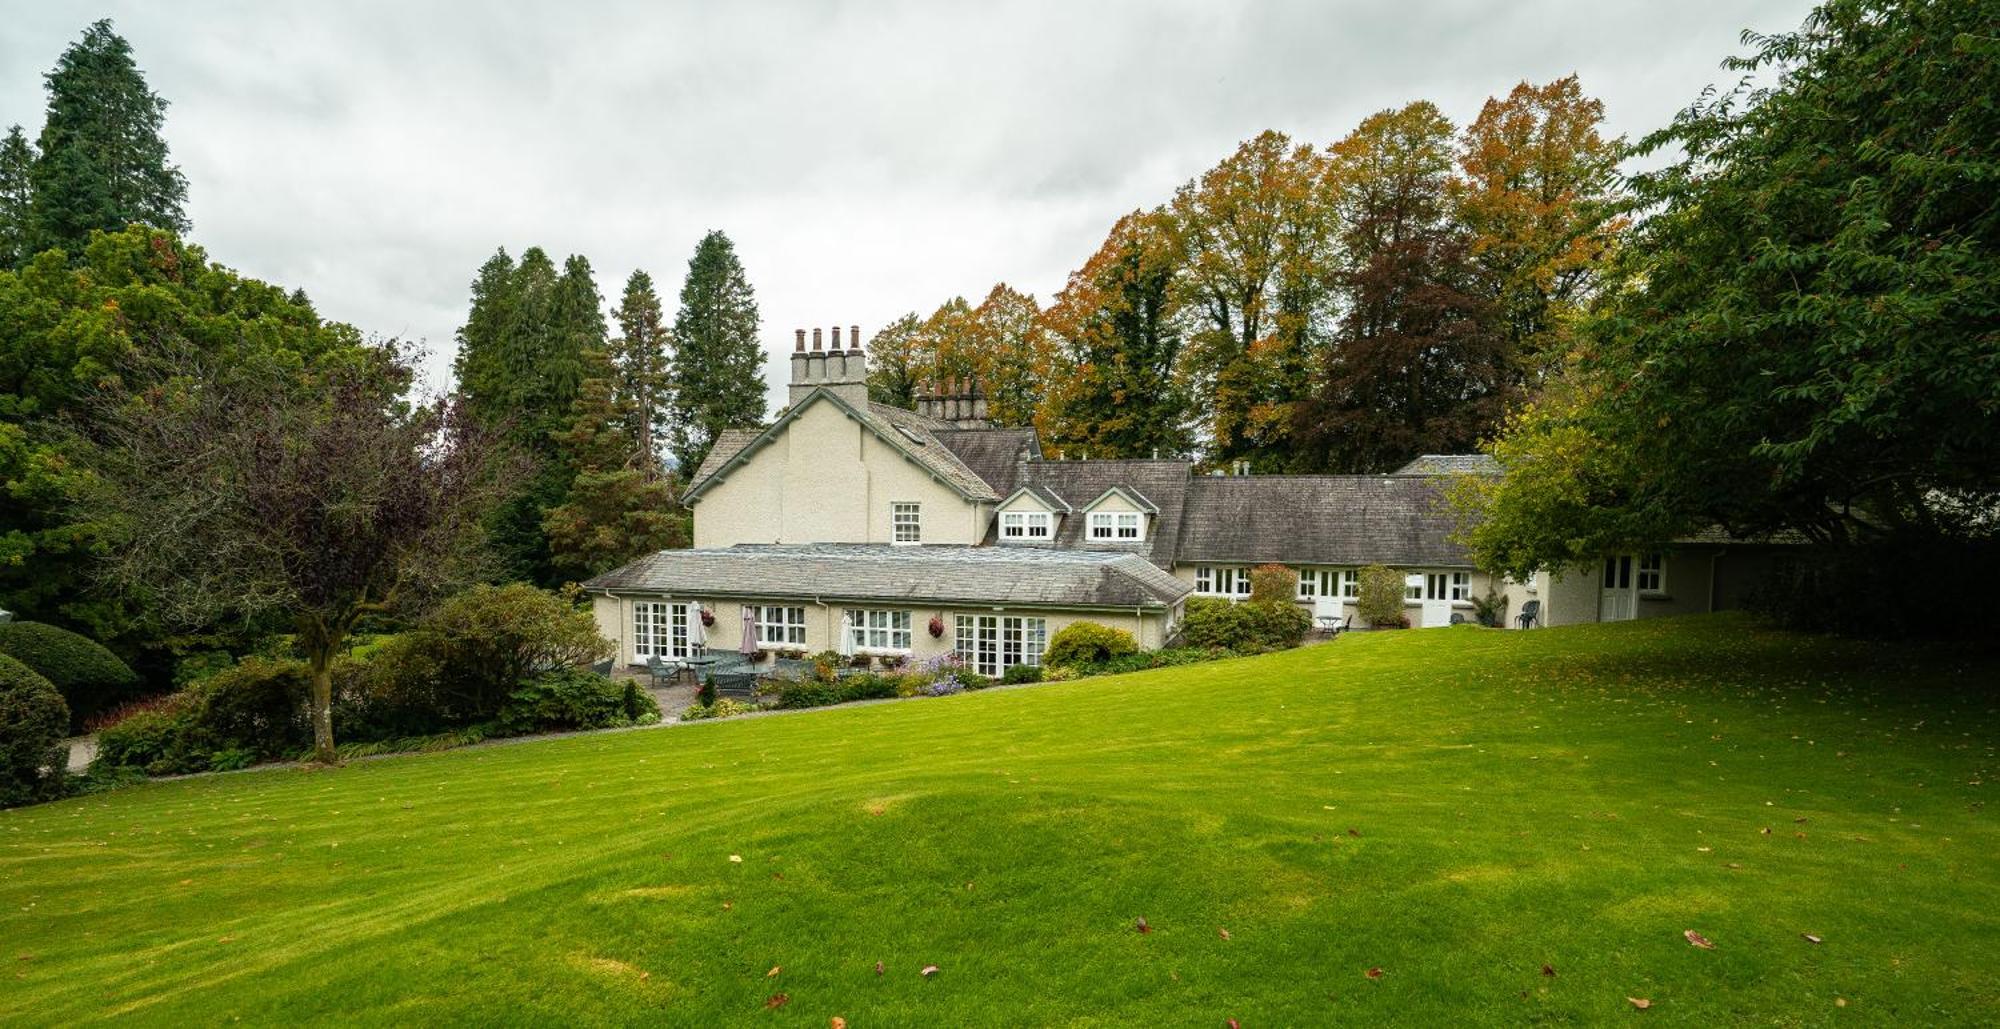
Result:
[
  {"x": 937, "y": 627},
  {"x": 707, "y": 618}
]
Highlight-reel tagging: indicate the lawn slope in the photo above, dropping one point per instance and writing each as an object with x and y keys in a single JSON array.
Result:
[{"x": 1456, "y": 808}]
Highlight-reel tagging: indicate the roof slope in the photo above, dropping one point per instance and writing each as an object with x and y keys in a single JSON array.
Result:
[
  {"x": 727, "y": 443},
  {"x": 1451, "y": 464},
  {"x": 994, "y": 455},
  {"x": 1399, "y": 520},
  {"x": 879, "y": 572},
  {"x": 1162, "y": 482}
]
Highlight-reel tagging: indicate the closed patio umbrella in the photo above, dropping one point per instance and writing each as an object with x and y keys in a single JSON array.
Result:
[
  {"x": 697, "y": 633},
  {"x": 748, "y": 645},
  {"x": 846, "y": 645}
]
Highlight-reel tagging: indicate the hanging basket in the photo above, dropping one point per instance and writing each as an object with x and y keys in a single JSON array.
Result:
[
  {"x": 707, "y": 618},
  {"x": 937, "y": 626}
]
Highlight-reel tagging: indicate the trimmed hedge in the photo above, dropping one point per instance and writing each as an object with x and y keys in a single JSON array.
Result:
[
  {"x": 90, "y": 678},
  {"x": 1085, "y": 643},
  {"x": 33, "y": 722}
]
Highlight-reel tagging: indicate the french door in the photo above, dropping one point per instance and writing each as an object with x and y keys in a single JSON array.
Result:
[
  {"x": 659, "y": 629},
  {"x": 1617, "y": 597},
  {"x": 992, "y": 644}
]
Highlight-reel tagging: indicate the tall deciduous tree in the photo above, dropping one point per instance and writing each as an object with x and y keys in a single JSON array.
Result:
[
  {"x": 1802, "y": 331},
  {"x": 896, "y": 362},
  {"x": 1417, "y": 365},
  {"x": 1117, "y": 330},
  {"x": 1538, "y": 196},
  {"x": 641, "y": 366},
  {"x": 1010, "y": 354},
  {"x": 102, "y": 163},
  {"x": 718, "y": 368},
  {"x": 17, "y": 160},
  {"x": 248, "y": 490},
  {"x": 1256, "y": 231}
]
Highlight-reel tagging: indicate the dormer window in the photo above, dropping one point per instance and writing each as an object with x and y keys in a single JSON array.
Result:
[
  {"x": 1117, "y": 527},
  {"x": 1026, "y": 525}
]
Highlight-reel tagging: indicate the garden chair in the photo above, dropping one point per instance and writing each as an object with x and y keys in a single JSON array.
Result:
[
  {"x": 1531, "y": 612},
  {"x": 663, "y": 671}
]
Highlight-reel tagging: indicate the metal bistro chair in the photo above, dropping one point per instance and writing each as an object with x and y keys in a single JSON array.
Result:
[
  {"x": 1531, "y": 612},
  {"x": 663, "y": 671}
]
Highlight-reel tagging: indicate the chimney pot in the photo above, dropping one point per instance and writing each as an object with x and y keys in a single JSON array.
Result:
[
  {"x": 854, "y": 338},
  {"x": 801, "y": 344},
  {"x": 816, "y": 339}
]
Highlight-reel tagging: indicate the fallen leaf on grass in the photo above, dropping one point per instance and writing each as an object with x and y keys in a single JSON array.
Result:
[
  {"x": 1374, "y": 973},
  {"x": 1233, "y": 1024},
  {"x": 1224, "y": 932},
  {"x": 1142, "y": 926},
  {"x": 227, "y": 939},
  {"x": 1353, "y": 832},
  {"x": 878, "y": 968},
  {"x": 778, "y": 1000},
  {"x": 1765, "y": 830},
  {"x": 836, "y": 1022},
  {"x": 1840, "y": 1002},
  {"x": 1549, "y": 970},
  {"x": 930, "y": 970},
  {"x": 1639, "y": 1002},
  {"x": 775, "y": 969},
  {"x": 736, "y": 859},
  {"x": 1810, "y": 938},
  {"x": 1698, "y": 940}
]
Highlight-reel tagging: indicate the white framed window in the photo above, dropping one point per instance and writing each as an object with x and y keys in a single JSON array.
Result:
[
  {"x": 880, "y": 630},
  {"x": 1329, "y": 582},
  {"x": 991, "y": 644},
  {"x": 1652, "y": 573},
  {"x": 1222, "y": 581},
  {"x": 1461, "y": 585},
  {"x": 659, "y": 629},
  {"x": 1025, "y": 525},
  {"x": 781, "y": 626},
  {"x": 906, "y": 522},
  {"x": 1413, "y": 587},
  {"x": 1117, "y": 526}
]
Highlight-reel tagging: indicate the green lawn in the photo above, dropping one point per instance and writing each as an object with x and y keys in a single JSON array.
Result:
[{"x": 1458, "y": 808}]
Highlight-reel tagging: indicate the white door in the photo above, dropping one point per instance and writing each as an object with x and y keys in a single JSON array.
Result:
[{"x": 1617, "y": 599}]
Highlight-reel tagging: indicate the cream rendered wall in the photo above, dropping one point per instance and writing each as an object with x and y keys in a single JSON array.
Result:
[
  {"x": 614, "y": 620},
  {"x": 1479, "y": 583},
  {"x": 827, "y": 479}
]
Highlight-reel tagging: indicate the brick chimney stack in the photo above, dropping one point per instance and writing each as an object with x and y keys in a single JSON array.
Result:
[
  {"x": 843, "y": 373},
  {"x": 959, "y": 401}
]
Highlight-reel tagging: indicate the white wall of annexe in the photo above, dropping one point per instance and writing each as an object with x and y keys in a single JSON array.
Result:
[{"x": 616, "y": 619}]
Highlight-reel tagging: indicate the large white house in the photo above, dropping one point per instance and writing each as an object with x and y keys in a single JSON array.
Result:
[{"x": 925, "y": 532}]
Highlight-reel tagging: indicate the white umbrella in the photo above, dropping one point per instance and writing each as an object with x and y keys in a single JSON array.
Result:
[
  {"x": 846, "y": 646},
  {"x": 748, "y": 645},
  {"x": 697, "y": 633}
]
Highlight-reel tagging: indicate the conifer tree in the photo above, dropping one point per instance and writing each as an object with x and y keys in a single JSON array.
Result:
[
  {"x": 479, "y": 367},
  {"x": 17, "y": 160},
  {"x": 616, "y": 509},
  {"x": 102, "y": 162},
  {"x": 718, "y": 367},
  {"x": 639, "y": 360}
]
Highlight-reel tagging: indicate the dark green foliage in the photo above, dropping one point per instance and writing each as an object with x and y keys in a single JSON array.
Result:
[
  {"x": 618, "y": 506},
  {"x": 462, "y": 661},
  {"x": 33, "y": 722},
  {"x": 1018, "y": 674},
  {"x": 1883, "y": 592},
  {"x": 1379, "y": 599},
  {"x": 102, "y": 163},
  {"x": 1212, "y": 623},
  {"x": 17, "y": 160},
  {"x": 1166, "y": 658},
  {"x": 1082, "y": 643},
  {"x": 718, "y": 367},
  {"x": 252, "y": 711},
  {"x": 573, "y": 698},
  {"x": 90, "y": 678}
]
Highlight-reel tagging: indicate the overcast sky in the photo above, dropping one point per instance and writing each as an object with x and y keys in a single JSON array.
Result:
[{"x": 868, "y": 159}]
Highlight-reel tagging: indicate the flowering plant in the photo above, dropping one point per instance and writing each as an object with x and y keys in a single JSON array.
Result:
[
  {"x": 937, "y": 626},
  {"x": 708, "y": 618}
]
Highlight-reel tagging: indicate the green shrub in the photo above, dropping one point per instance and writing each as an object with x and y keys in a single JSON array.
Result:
[
  {"x": 33, "y": 722},
  {"x": 1491, "y": 609},
  {"x": 1019, "y": 674},
  {"x": 251, "y": 711},
  {"x": 1153, "y": 659},
  {"x": 1082, "y": 643},
  {"x": 573, "y": 698},
  {"x": 1275, "y": 626},
  {"x": 1380, "y": 599},
  {"x": 722, "y": 708},
  {"x": 1061, "y": 675},
  {"x": 153, "y": 740},
  {"x": 89, "y": 678},
  {"x": 1211, "y": 623},
  {"x": 1273, "y": 584},
  {"x": 480, "y": 646}
]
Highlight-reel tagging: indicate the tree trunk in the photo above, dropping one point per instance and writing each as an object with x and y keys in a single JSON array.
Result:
[{"x": 321, "y": 644}]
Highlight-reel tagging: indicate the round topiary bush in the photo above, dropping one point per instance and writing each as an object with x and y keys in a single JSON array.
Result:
[
  {"x": 89, "y": 678},
  {"x": 1086, "y": 643},
  {"x": 33, "y": 722}
]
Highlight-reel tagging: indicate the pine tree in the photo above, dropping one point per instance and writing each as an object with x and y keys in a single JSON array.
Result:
[
  {"x": 639, "y": 359},
  {"x": 17, "y": 160},
  {"x": 102, "y": 162},
  {"x": 718, "y": 368},
  {"x": 616, "y": 508}
]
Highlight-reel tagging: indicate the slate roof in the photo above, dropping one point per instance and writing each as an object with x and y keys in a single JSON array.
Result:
[
  {"x": 881, "y": 573},
  {"x": 1163, "y": 483},
  {"x": 1397, "y": 520},
  {"x": 1049, "y": 498},
  {"x": 1451, "y": 464},
  {"x": 992, "y": 454},
  {"x": 911, "y": 433}
]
